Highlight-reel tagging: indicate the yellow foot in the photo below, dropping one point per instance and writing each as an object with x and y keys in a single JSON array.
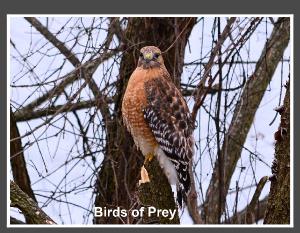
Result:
[
  {"x": 149, "y": 158},
  {"x": 144, "y": 176}
]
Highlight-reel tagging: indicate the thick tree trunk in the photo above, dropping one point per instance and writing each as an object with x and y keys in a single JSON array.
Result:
[
  {"x": 243, "y": 117},
  {"x": 120, "y": 172},
  {"x": 278, "y": 208}
]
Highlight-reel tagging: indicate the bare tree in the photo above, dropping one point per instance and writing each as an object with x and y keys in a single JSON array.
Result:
[{"x": 74, "y": 77}]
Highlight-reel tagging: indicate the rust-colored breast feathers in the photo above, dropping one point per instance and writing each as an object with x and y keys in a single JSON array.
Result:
[{"x": 134, "y": 102}]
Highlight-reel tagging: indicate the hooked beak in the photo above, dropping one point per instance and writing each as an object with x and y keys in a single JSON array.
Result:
[{"x": 148, "y": 57}]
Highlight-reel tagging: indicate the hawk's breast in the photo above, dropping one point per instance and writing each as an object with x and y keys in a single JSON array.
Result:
[{"x": 134, "y": 102}]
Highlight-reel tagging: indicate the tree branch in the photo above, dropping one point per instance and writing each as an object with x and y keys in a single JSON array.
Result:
[
  {"x": 15, "y": 221},
  {"x": 197, "y": 63},
  {"x": 200, "y": 91},
  {"x": 248, "y": 215},
  {"x": 244, "y": 113},
  {"x": 192, "y": 201},
  {"x": 21, "y": 116},
  {"x": 17, "y": 160},
  {"x": 67, "y": 80},
  {"x": 51, "y": 38},
  {"x": 29, "y": 208},
  {"x": 87, "y": 75},
  {"x": 244, "y": 217}
]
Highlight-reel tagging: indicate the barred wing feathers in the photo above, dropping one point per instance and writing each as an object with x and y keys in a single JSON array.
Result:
[{"x": 169, "y": 119}]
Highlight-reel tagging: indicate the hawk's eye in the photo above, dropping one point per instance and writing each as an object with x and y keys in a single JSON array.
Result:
[{"x": 156, "y": 55}]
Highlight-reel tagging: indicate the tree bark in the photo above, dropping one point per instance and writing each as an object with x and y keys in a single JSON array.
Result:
[
  {"x": 157, "y": 193},
  {"x": 18, "y": 163},
  {"x": 29, "y": 208},
  {"x": 255, "y": 210},
  {"x": 17, "y": 160},
  {"x": 15, "y": 221},
  {"x": 246, "y": 217},
  {"x": 243, "y": 117},
  {"x": 278, "y": 208},
  {"x": 120, "y": 172}
]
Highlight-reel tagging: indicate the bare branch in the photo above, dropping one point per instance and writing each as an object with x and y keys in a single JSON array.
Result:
[
  {"x": 244, "y": 114},
  {"x": 51, "y": 38},
  {"x": 17, "y": 160},
  {"x": 192, "y": 199},
  {"x": 246, "y": 217},
  {"x": 99, "y": 97},
  {"x": 67, "y": 107},
  {"x": 72, "y": 58},
  {"x": 67, "y": 80},
  {"x": 29, "y": 208},
  {"x": 21, "y": 116},
  {"x": 15, "y": 221},
  {"x": 214, "y": 52},
  {"x": 196, "y": 63}
]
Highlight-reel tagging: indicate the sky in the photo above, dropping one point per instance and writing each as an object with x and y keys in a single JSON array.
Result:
[{"x": 46, "y": 159}]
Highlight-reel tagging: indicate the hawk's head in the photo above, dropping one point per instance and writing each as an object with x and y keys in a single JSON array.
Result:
[{"x": 150, "y": 57}]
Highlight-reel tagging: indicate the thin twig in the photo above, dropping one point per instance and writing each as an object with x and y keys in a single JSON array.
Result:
[{"x": 208, "y": 67}]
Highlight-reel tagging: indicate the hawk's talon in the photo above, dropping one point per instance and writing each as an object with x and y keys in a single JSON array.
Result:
[{"x": 149, "y": 158}]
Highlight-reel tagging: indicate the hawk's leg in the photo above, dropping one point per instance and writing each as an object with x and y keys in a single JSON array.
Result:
[
  {"x": 144, "y": 173},
  {"x": 149, "y": 157}
]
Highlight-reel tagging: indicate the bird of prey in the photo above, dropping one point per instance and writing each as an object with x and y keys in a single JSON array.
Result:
[{"x": 156, "y": 114}]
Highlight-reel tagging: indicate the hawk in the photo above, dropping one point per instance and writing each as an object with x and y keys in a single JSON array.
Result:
[{"x": 156, "y": 114}]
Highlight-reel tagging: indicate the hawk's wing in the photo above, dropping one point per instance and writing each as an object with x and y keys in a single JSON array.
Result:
[{"x": 169, "y": 119}]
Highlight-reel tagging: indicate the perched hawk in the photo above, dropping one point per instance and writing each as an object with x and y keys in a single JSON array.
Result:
[{"x": 157, "y": 116}]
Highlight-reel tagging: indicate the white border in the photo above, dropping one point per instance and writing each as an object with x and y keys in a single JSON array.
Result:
[{"x": 291, "y": 225}]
